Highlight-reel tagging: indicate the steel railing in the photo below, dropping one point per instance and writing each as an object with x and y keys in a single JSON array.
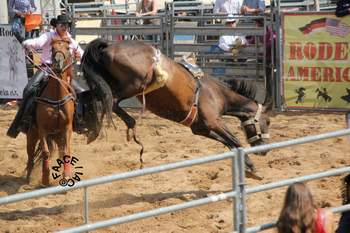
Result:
[{"x": 239, "y": 191}]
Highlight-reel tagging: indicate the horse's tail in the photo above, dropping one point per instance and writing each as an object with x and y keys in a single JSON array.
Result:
[
  {"x": 93, "y": 54},
  {"x": 93, "y": 69}
]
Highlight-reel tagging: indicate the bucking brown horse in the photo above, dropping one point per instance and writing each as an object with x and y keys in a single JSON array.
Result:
[
  {"x": 54, "y": 113},
  {"x": 166, "y": 88}
]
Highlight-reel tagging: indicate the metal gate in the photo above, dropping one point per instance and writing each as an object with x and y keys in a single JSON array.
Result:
[{"x": 239, "y": 190}]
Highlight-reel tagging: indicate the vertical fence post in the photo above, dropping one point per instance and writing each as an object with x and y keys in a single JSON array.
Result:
[
  {"x": 279, "y": 58},
  {"x": 172, "y": 31},
  {"x": 73, "y": 29},
  {"x": 235, "y": 187},
  {"x": 347, "y": 120},
  {"x": 242, "y": 192},
  {"x": 161, "y": 34},
  {"x": 86, "y": 206}
]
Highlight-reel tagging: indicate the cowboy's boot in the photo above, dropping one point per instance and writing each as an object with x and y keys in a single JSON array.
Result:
[
  {"x": 23, "y": 117},
  {"x": 79, "y": 121}
]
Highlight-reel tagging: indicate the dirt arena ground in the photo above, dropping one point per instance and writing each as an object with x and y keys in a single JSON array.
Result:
[{"x": 167, "y": 142}]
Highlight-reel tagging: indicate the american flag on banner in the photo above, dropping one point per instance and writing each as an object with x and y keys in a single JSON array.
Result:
[{"x": 336, "y": 28}]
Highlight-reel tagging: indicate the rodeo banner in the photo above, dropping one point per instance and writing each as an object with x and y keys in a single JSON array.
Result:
[
  {"x": 316, "y": 61},
  {"x": 13, "y": 71}
]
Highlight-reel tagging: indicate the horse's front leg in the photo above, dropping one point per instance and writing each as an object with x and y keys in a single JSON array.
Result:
[
  {"x": 45, "y": 160},
  {"x": 67, "y": 166},
  {"x": 218, "y": 131},
  {"x": 64, "y": 151},
  {"x": 32, "y": 139}
]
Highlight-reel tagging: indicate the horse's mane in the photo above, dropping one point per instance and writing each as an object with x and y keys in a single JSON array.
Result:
[
  {"x": 243, "y": 88},
  {"x": 91, "y": 64}
]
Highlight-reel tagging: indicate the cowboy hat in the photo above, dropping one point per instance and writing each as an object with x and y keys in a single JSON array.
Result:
[
  {"x": 64, "y": 19},
  {"x": 230, "y": 19}
]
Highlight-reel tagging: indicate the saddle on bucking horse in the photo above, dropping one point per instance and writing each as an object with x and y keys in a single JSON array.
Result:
[{"x": 161, "y": 76}]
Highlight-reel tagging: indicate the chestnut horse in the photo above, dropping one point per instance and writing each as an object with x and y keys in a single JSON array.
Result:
[
  {"x": 133, "y": 68},
  {"x": 53, "y": 124}
]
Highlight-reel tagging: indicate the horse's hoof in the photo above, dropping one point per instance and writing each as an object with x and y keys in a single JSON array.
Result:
[
  {"x": 27, "y": 187},
  {"x": 263, "y": 153},
  {"x": 42, "y": 186},
  {"x": 254, "y": 175}
]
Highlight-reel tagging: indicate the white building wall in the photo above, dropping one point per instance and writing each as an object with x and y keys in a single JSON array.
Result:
[{"x": 3, "y": 12}]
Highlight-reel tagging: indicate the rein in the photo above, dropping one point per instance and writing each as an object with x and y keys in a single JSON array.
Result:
[{"x": 255, "y": 121}]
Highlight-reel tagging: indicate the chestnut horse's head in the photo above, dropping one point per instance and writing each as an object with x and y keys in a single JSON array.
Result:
[{"x": 61, "y": 56}]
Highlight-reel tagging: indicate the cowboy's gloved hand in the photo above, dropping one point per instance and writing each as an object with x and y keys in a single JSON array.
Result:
[
  {"x": 238, "y": 42},
  {"x": 25, "y": 45},
  {"x": 77, "y": 55},
  {"x": 234, "y": 52}
]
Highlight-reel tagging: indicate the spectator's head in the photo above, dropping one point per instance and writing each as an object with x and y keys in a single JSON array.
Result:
[
  {"x": 231, "y": 21},
  {"x": 259, "y": 22},
  {"x": 298, "y": 211}
]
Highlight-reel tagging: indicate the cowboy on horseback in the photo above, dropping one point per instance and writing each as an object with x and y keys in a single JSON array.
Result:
[{"x": 24, "y": 117}]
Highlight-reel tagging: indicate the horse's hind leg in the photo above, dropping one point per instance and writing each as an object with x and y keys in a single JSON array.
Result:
[
  {"x": 128, "y": 120},
  {"x": 32, "y": 139},
  {"x": 130, "y": 123}
]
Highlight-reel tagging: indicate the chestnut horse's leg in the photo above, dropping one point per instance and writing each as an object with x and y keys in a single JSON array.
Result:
[
  {"x": 66, "y": 151},
  {"x": 45, "y": 160},
  {"x": 32, "y": 139}
]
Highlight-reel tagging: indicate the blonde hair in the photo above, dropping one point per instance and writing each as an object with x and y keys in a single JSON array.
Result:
[{"x": 298, "y": 212}]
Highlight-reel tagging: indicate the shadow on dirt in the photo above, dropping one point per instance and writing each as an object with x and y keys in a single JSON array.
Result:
[
  {"x": 129, "y": 199},
  {"x": 11, "y": 184},
  {"x": 119, "y": 200},
  {"x": 28, "y": 214}
]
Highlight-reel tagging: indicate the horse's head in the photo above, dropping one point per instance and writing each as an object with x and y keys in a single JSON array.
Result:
[
  {"x": 61, "y": 56},
  {"x": 256, "y": 127}
]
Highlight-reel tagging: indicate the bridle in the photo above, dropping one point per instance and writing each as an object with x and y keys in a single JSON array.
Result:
[
  {"x": 71, "y": 96},
  {"x": 256, "y": 122},
  {"x": 72, "y": 62}
]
